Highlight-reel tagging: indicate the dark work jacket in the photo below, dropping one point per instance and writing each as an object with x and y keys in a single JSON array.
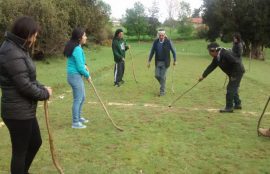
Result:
[
  {"x": 228, "y": 63},
  {"x": 237, "y": 49},
  {"x": 166, "y": 48},
  {"x": 20, "y": 89}
]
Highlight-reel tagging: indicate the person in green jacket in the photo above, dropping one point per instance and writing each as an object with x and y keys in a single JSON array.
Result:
[{"x": 119, "y": 48}]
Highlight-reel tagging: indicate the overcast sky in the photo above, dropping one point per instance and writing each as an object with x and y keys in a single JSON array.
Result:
[{"x": 118, "y": 7}]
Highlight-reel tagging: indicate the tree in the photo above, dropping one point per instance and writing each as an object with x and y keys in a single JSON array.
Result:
[
  {"x": 172, "y": 9},
  {"x": 248, "y": 17},
  {"x": 57, "y": 19},
  {"x": 196, "y": 13},
  {"x": 153, "y": 21},
  {"x": 185, "y": 28},
  {"x": 185, "y": 11},
  {"x": 135, "y": 20}
]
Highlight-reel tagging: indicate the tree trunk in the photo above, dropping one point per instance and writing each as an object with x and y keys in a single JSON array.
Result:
[
  {"x": 246, "y": 48},
  {"x": 257, "y": 51},
  {"x": 139, "y": 37}
]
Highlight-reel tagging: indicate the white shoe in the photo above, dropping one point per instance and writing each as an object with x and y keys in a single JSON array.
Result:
[
  {"x": 78, "y": 125},
  {"x": 83, "y": 120}
]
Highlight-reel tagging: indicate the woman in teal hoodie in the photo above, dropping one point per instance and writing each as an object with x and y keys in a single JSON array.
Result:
[{"x": 76, "y": 70}]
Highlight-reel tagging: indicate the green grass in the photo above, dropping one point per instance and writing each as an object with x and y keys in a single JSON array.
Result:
[{"x": 156, "y": 140}]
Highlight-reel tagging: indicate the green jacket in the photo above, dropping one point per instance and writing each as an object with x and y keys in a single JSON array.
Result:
[{"x": 119, "y": 48}]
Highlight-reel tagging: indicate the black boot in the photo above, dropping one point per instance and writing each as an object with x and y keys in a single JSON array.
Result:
[
  {"x": 226, "y": 110},
  {"x": 117, "y": 84},
  {"x": 237, "y": 107}
]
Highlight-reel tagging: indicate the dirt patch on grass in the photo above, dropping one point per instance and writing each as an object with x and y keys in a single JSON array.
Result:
[{"x": 2, "y": 124}]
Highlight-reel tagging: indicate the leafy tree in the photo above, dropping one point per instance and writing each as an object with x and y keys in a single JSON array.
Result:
[
  {"x": 185, "y": 29},
  {"x": 248, "y": 17},
  {"x": 135, "y": 20},
  {"x": 172, "y": 9},
  {"x": 153, "y": 21},
  {"x": 196, "y": 13},
  {"x": 57, "y": 19},
  {"x": 185, "y": 11}
]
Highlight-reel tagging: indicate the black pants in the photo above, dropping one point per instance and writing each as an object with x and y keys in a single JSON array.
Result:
[
  {"x": 26, "y": 141},
  {"x": 232, "y": 96},
  {"x": 119, "y": 69}
]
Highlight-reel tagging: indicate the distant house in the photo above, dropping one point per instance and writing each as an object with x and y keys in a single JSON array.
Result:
[
  {"x": 196, "y": 22},
  {"x": 116, "y": 22}
]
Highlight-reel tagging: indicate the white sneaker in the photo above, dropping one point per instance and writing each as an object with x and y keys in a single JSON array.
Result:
[
  {"x": 78, "y": 125},
  {"x": 83, "y": 120}
]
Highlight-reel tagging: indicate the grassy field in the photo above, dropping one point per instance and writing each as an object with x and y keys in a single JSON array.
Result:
[{"x": 191, "y": 137}]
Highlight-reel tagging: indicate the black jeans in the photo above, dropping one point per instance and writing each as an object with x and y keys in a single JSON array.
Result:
[
  {"x": 26, "y": 141},
  {"x": 119, "y": 70},
  {"x": 232, "y": 96}
]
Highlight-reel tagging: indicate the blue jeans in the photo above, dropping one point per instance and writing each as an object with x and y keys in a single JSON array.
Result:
[
  {"x": 160, "y": 74},
  {"x": 76, "y": 82}
]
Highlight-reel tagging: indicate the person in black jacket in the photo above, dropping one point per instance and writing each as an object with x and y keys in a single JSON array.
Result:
[
  {"x": 161, "y": 48},
  {"x": 21, "y": 93},
  {"x": 233, "y": 67},
  {"x": 237, "y": 48}
]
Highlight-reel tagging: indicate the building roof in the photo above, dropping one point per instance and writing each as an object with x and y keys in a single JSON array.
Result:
[{"x": 196, "y": 20}]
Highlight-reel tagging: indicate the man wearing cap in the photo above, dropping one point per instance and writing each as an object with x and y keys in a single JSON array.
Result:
[
  {"x": 161, "y": 48},
  {"x": 233, "y": 67},
  {"x": 119, "y": 48}
]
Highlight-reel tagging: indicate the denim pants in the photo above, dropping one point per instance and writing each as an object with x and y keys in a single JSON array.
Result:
[
  {"x": 160, "y": 75},
  {"x": 76, "y": 82}
]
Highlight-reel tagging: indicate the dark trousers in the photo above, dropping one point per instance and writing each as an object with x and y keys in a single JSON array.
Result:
[
  {"x": 26, "y": 141},
  {"x": 119, "y": 69},
  {"x": 232, "y": 96}
]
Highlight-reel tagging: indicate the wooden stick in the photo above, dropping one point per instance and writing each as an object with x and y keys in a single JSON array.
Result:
[
  {"x": 183, "y": 94},
  {"x": 133, "y": 69},
  {"x": 260, "y": 119},
  {"x": 173, "y": 79},
  {"x": 52, "y": 149},
  {"x": 105, "y": 109},
  {"x": 249, "y": 64}
]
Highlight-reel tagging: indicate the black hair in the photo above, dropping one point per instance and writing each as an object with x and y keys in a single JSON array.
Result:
[
  {"x": 24, "y": 27},
  {"x": 74, "y": 41},
  {"x": 237, "y": 36},
  {"x": 213, "y": 46},
  {"x": 117, "y": 32}
]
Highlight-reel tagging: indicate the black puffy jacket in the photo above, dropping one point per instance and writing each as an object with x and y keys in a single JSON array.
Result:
[{"x": 20, "y": 89}]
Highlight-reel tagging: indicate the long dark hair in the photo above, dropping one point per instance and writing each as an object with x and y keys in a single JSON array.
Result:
[
  {"x": 117, "y": 33},
  {"x": 24, "y": 27},
  {"x": 74, "y": 41}
]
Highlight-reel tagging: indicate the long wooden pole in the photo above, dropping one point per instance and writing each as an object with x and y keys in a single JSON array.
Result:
[
  {"x": 52, "y": 149},
  {"x": 133, "y": 69},
  {"x": 183, "y": 94},
  {"x": 173, "y": 79},
  {"x": 260, "y": 119},
  {"x": 104, "y": 107}
]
